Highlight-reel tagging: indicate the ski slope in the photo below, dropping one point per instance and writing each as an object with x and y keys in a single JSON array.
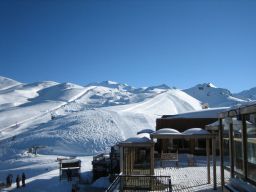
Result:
[{"x": 87, "y": 120}]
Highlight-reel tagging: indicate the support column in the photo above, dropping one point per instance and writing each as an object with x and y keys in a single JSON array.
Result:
[
  {"x": 231, "y": 150},
  {"x": 244, "y": 144},
  {"x": 208, "y": 161},
  {"x": 214, "y": 162},
  {"x": 221, "y": 154},
  {"x": 152, "y": 162},
  {"x": 122, "y": 160}
]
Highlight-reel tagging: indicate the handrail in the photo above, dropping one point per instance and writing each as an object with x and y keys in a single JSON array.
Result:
[
  {"x": 140, "y": 182},
  {"x": 114, "y": 184}
]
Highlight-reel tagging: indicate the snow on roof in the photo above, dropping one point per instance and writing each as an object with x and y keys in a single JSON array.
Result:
[
  {"x": 71, "y": 161},
  {"x": 195, "y": 131},
  {"x": 141, "y": 138},
  {"x": 145, "y": 131},
  {"x": 205, "y": 113},
  {"x": 234, "y": 122},
  {"x": 167, "y": 131}
]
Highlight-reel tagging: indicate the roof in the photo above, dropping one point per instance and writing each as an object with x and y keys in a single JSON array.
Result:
[
  {"x": 195, "y": 131},
  {"x": 143, "y": 138},
  {"x": 205, "y": 113},
  {"x": 71, "y": 161},
  {"x": 169, "y": 131},
  {"x": 245, "y": 108},
  {"x": 189, "y": 133},
  {"x": 145, "y": 131}
]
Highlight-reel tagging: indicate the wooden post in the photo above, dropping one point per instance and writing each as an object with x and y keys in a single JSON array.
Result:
[
  {"x": 152, "y": 163},
  {"x": 121, "y": 160},
  {"x": 208, "y": 161},
  {"x": 244, "y": 144},
  {"x": 60, "y": 168},
  {"x": 231, "y": 150},
  {"x": 151, "y": 166},
  {"x": 214, "y": 162},
  {"x": 221, "y": 154}
]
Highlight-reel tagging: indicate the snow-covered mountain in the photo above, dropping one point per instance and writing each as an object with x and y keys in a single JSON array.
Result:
[
  {"x": 6, "y": 83},
  {"x": 213, "y": 96},
  {"x": 69, "y": 119},
  {"x": 247, "y": 94}
]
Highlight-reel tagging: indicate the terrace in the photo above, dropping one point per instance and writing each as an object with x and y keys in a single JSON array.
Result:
[
  {"x": 152, "y": 161},
  {"x": 142, "y": 168},
  {"x": 169, "y": 177}
]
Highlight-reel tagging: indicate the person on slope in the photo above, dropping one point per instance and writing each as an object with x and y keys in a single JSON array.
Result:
[
  {"x": 18, "y": 181},
  {"x": 8, "y": 179},
  {"x": 23, "y": 178}
]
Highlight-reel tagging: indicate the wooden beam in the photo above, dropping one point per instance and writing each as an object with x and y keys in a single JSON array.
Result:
[
  {"x": 122, "y": 160},
  {"x": 231, "y": 150},
  {"x": 208, "y": 161},
  {"x": 152, "y": 163},
  {"x": 244, "y": 143},
  {"x": 214, "y": 163},
  {"x": 221, "y": 154}
]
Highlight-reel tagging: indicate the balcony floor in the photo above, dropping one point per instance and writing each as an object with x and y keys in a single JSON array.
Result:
[{"x": 189, "y": 178}]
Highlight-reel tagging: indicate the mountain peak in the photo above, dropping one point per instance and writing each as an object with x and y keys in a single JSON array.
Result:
[
  {"x": 205, "y": 85},
  {"x": 211, "y": 85},
  {"x": 112, "y": 84},
  {"x": 162, "y": 86}
]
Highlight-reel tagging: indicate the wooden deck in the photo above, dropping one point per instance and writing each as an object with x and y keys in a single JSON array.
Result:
[{"x": 187, "y": 178}]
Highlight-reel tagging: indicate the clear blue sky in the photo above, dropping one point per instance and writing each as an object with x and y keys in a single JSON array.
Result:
[{"x": 177, "y": 42}]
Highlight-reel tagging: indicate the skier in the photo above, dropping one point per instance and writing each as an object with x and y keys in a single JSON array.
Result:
[
  {"x": 23, "y": 178},
  {"x": 18, "y": 181},
  {"x": 8, "y": 181}
]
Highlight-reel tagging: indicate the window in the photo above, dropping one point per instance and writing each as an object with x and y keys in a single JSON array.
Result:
[
  {"x": 251, "y": 146},
  {"x": 226, "y": 125},
  {"x": 238, "y": 145}
]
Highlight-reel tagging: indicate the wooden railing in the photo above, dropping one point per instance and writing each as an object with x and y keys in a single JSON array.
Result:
[
  {"x": 141, "y": 182},
  {"x": 115, "y": 185}
]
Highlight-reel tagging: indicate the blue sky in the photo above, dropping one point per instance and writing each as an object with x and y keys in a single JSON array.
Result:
[{"x": 177, "y": 42}]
